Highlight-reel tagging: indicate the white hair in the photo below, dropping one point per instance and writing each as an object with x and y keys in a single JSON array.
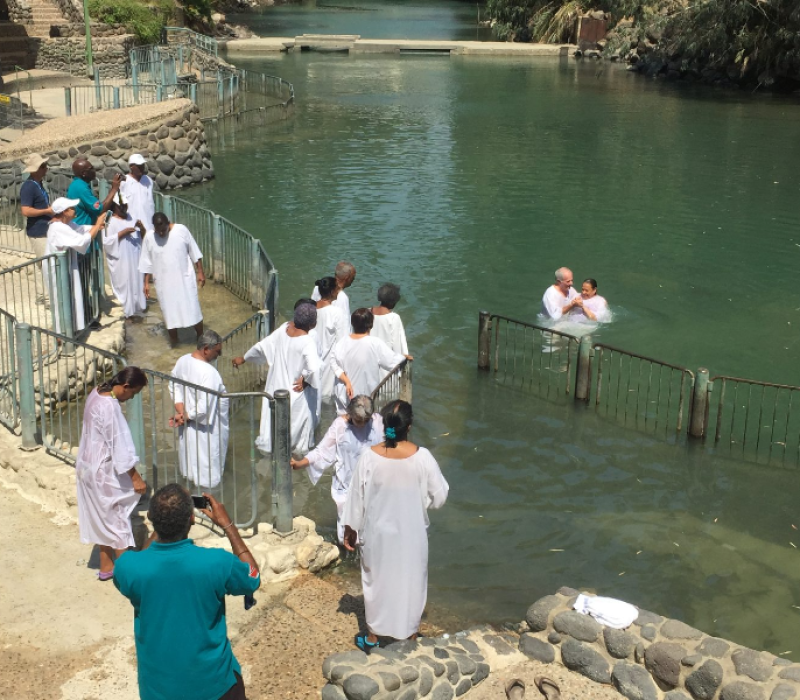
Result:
[{"x": 561, "y": 273}]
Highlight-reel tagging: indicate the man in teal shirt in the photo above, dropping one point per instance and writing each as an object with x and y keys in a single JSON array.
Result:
[
  {"x": 178, "y": 591},
  {"x": 80, "y": 188}
]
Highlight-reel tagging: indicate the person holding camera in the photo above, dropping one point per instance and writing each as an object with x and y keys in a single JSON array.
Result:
[{"x": 178, "y": 591}]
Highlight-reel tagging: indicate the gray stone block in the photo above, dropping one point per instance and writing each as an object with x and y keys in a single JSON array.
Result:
[
  {"x": 703, "y": 682},
  {"x": 741, "y": 690},
  {"x": 408, "y": 674},
  {"x": 425, "y": 681},
  {"x": 453, "y": 674},
  {"x": 356, "y": 657},
  {"x": 360, "y": 687},
  {"x": 176, "y": 132},
  {"x": 463, "y": 687},
  {"x": 692, "y": 660},
  {"x": 436, "y": 666},
  {"x": 638, "y": 653},
  {"x": 537, "y": 649},
  {"x": 333, "y": 692},
  {"x": 577, "y": 625},
  {"x": 440, "y": 653},
  {"x": 465, "y": 665},
  {"x": 649, "y": 632},
  {"x": 675, "y": 629},
  {"x": 648, "y": 618},
  {"x": 633, "y": 681},
  {"x": 780, "y": 661},
  {"x": 783, "y": 691},
  {"x": 442, "y": 691},
  {"x": 711, "y": 646},
  {"x": 481, "y": 674},
  {"x": 390, "y": 681},
  {"x": 339, "y": 672},
  {"x": 579, "y": 657},
  {"x": 663, "y": 660},
  {"x": 676, "y": 695},
  {"x": 408, "y": 694},
  {"x": 752, "y": 664},
  {"x": 470, "y": 646},
  {"x": 554, "y": 637},
  {"x": 791, "y": 673},
  {"x": 538, "y": 614},
  {"x": 567, "y": 591},
  {"x": 620, "y": 644},
  {"x": 387, "y": 654}
]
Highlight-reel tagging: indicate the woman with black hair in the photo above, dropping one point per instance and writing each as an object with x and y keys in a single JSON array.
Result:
[
  {"x": 108, "y": 484},
  {"x": 332, "y": 326},
  {"x": 386, "y": 516}
]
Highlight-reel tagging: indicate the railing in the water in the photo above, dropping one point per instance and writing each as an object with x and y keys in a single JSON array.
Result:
[
  {"x": 528, "y": 355},
  {"x": 749, "y": 419},
  {"x": 250, "y": 375},
  {"x": 395, "y": 385}
]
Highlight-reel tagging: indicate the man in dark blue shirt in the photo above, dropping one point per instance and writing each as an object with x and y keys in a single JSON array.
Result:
[
  {"x": 35, "y": 203},
  {"x": 178, "y": 591}
]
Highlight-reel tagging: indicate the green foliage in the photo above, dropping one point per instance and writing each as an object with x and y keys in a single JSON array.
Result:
[
  {"x": 145, "y": 20},
  {"x": 197, "y": 10}
]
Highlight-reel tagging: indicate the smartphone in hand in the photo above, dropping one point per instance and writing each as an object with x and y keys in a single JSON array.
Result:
[{"x": 200, "y": 502}]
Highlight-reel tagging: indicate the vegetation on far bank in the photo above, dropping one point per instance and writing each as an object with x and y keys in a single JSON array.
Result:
[
  {"x": 145, "y": 19},
  {"x": 753, "y": 42}
]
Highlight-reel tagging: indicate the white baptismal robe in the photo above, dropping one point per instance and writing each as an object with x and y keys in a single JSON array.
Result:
[
  {"x": 74, "y": 239},
  {"x": 139, "y": 194},
  {"x": 341, "y": 447},
  {"x": 332, "y": 326},
  {"x": 122, "y": 256},
  {"x": 106, "y": 453},
  {"x": 288, "y": 359},
  {"x": 389, "y": 328},
  {"x": 554, "y": 301},
  {"x": 342, "y": 301},
  {"x": 167, "y": 258},
  {"x": 387, "y": 505},
  {"x": 597, "y": 305},
  {"x": 365, "y": 361},
  {"x": 203, "y": 440}
]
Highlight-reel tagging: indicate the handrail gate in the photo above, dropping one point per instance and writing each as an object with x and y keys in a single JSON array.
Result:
[{"x": 395, "y": 385}]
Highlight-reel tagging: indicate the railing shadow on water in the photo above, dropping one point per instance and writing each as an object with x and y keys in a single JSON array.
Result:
[{"x": 744, "y": 419}]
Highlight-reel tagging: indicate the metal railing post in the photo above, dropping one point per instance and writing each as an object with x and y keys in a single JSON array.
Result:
[
  {"x": 699, "y": 413},
  {"x": 484, "y": 340},
  {"x": 64, "y": 310},
  {"x": 583, "y": 369},
  {"x": 135, "y": 78},
  {"x": 282, "y": 514},
  {"x": 255, "y": 274},
  {"x": 68, "y": 101},
  {"x": 98, "y": 94},
  {"x": 159, "y": 93},
  {"x": 193, "y": 92},
  {"x": 27, "y": 399},
  {"x": 115, "y": 97},
  {"x": 166, "y": 205},
  {"x": 262, "y": 329},
  {"x": 406, "y": 383},
  {"x": 134, "y": 414},
  {"x": 220, "y": 273}
]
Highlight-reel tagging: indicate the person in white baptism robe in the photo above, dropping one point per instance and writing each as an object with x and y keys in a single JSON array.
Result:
[
  {"x": 202, "y": 417},
  {"x": 64, "y": 235},
  {"x": 386, "y": 517},
  {"x": 560, "y": 297},
  {"x": 593, "y": 307},
  {"x": 294, "y": 365},
  {"x": 345, "y": 274},
  {"x": 138, "y": 190},
  {"x": 343, "y": 444},
  {"x": 359, "y": 361},
  {"x": 122, "y": 243},
  {"x": 166, "y": 255},
  {"x": 332, "y": 326}
]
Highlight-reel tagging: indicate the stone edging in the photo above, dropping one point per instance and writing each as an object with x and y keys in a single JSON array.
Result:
[{"x": 656, "y": 658}]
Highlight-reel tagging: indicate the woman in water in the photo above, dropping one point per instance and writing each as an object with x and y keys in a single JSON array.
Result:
[
  {"x": 593, "y": 306},
  {"x": 386, "y": 516},
  {"x": 332, "y": 326},
  {"x": 109, "y": 487}
]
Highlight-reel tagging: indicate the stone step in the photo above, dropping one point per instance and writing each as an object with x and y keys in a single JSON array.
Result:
[{"x": 9, "y": 29}]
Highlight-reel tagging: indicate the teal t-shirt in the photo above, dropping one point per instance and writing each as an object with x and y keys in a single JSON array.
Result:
[
  {"x": 89, "y": 208},
  {"x": 178, "y": 595}
]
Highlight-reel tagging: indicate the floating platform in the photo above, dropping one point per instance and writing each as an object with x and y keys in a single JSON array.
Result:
[{"x": 353, "y": 43}]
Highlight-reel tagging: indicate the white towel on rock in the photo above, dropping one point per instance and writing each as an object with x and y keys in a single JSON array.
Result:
[{"x": 607, "y": 611}]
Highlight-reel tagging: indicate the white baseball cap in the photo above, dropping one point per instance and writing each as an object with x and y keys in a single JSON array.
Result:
[
  {"x": 62, "y": 204},
  {"x": 136, "y": 159}
]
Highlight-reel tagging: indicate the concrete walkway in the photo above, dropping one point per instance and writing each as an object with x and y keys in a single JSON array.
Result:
[{"x": 353, "y": 43}]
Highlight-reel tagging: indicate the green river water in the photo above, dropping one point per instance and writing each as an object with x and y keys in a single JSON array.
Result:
[{"x": 468, "y": 181}]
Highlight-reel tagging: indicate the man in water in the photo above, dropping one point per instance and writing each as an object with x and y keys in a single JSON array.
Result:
[
  {"x": 561, "y": 297},
  {"x": 138, "y": 189}
]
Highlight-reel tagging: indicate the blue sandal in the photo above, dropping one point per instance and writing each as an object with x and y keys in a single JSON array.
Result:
[{"x": 364, "y": 644}]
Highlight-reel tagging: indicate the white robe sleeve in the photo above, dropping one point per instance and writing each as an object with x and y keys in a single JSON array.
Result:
[
  {"x": 603, "y": 314},
  {"x": 324, "y": 454},
  {"x": 146, "y": 258},
  {"x": 120, "y": 440},
  {"x": 401, "y": 332},
  {"x": 336, "y": 359},
  {"x": 192, "y": 249},
  {"x": 355, "y": 505},
  {"x": 552, "y": 304},
  {"x": 437, "y": 487},
  {"x": 312, "y": 365},
  {"x": 258, "y": 353},
  {"x": 388, "y": 359}
]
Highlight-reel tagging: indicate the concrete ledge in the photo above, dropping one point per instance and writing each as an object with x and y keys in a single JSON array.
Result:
[{"x": 39, "y": 80}]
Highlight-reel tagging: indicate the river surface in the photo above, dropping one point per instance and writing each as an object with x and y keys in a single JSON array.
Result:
[{"x": 468, "y": 181}]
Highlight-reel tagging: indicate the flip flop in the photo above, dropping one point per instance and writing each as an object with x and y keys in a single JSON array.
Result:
[
  {"x": 105, "y": 575},
  {"x": 548, "y": 687},
  {"x": 515, "y": 689},
  {"x": 364, "y": 644}
]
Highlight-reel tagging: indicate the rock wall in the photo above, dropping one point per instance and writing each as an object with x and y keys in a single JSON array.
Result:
[
  {"x": 20, "y": 11},
  {"x": 98, "y": 29},
  {"x": 110, "y": 54},
  {"x": 655, "y": 658},
  {"x": 174, "y": 146},
  {"x": 71, "y": 9}
]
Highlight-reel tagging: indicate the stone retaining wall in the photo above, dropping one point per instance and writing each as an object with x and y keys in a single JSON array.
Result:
[
  {"x": 438, "y": 669},
  {"x": 655, "y": 658},
  {"x": 98, "y": 29},
  {"x": 20, "y": 11},
  {"x": 71, "y": 9},
  {"x": 174, "y": 146},
  {"x": 110, "y": 54}
]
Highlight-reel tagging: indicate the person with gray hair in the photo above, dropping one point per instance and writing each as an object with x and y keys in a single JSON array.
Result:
[
  {"x": 201, "y": 415},
  {"x": 347, "y": 438},
  {"x": 560, "y": 297},
  {"x": 345, "y": 274},
  {"x": 294, "y": 365}
]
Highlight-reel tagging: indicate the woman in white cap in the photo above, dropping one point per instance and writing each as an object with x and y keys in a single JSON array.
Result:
[
  {"x": 138, "y": 189},
  {"x": 122, "y": 242},
  {"x": 63, "y": 235}
]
